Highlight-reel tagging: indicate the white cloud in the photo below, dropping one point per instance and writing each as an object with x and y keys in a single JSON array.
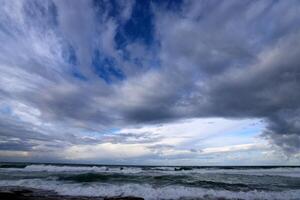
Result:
[
  {"x": 232, "y": 148},
  {"x": 194, "y": 131},
  {"x": 14, "y": 153},
  {"x": 106, "y": 151},
  {"x": 173, "y": 140}
]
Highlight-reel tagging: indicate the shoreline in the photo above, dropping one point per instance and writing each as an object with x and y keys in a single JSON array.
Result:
[{"x": 26, "y": 193}]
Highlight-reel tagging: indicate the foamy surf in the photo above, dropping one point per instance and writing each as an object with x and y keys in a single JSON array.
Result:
[
  {"x": 157, "y": 182},
  {"x": 54, "y": 168},
  {"x": 147, "y": 191},
  {"x": 275, "y": 171}
]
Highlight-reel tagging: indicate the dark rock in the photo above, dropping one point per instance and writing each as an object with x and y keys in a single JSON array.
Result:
[
  {"x": 21, "y": 193},
  {"x": 123, "y": 198}
]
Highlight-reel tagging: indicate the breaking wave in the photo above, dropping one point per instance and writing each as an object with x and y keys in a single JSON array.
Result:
[
  {"x": 258, "y": 171},
  {"x": 148, "y": 191}
]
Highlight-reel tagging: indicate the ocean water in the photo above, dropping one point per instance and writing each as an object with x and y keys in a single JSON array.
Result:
[{"x": 157, "y": 182}]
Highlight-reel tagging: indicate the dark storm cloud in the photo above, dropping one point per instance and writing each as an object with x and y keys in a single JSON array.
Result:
[
  {"x": 15, "y": 145},
  {"x": 21, "y": 131},
  {"x": 244, "y": 58},
  {"x": 207, "y": 59},
  {"x": 284, "y": 129},
  {"x": 268, "y": 91},
  {"x": 20, "y": 136}
]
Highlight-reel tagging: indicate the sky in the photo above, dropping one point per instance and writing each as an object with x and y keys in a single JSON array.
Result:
[{"x": 150, "y": 82}]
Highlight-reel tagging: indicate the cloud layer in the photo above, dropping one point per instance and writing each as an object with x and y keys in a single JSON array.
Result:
[{"x": 71, "y": 70}]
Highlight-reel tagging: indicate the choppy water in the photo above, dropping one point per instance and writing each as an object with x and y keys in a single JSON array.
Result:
[{"x": 157, "y": 182}]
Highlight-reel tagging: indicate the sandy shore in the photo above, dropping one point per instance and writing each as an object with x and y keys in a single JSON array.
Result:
[{"x": 22, "y": 193}]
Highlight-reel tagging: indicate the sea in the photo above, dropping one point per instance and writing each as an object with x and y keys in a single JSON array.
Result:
[{"x": 157, "y": 182}]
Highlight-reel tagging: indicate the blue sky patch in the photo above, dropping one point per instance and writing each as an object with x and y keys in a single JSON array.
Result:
[{"x": 106, "y": 68}]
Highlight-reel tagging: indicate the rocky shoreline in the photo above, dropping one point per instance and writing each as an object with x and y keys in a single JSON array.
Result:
[{"x": 22, "y": 193}]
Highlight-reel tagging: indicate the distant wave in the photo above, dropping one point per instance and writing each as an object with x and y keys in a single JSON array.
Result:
[
  {"x": 69, "y": 168},
  {"x": 13, "y": 165},
  {"x": 257, "y": 171}
]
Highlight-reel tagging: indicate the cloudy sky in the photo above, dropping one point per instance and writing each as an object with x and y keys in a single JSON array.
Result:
[{"x": 150, "y": 82}]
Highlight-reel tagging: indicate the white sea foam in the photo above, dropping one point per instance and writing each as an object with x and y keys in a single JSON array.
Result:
[
  {"x": 147, "y": 191},
  {"x": 163, "y": 168},
  {"x": 56, "y": 168},
  {"x": 284, "y": 171},
  {"x": 280, "y": 171}
]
